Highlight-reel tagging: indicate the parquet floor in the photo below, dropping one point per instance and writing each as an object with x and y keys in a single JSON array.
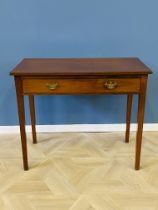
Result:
[{"x": 79, "y": 171}]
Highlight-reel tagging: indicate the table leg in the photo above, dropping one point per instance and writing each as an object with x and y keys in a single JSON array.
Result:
[
  {"x": 128, "y": 116},
  {"x": 141, "y": 109},
  {"x": 33, "y": 117},
  {"x": 21, "y": 112}
]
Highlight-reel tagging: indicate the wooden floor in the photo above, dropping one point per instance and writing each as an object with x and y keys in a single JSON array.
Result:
[{"x": 79, "y": 171}]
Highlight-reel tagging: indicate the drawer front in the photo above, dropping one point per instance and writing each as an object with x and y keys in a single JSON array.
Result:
[{"x": 80, "y": 86}]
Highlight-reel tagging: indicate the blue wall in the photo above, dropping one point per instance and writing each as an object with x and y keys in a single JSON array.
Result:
[{"x": 83, "y": 28}]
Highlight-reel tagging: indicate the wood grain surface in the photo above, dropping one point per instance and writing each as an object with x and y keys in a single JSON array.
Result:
[
  {"x": 75, "y": 171},
  {"x": 84, "y": 66},
  {"x": 80, "y": 86}
]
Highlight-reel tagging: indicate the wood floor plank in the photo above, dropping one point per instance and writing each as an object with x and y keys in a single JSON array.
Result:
[{"x": 75, "y": 171}]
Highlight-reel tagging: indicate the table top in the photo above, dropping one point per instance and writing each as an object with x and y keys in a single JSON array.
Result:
[{"x": 80, "y": 66}]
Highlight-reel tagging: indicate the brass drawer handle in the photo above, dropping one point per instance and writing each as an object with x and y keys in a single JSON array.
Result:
[
  {"x": 52, "y": 86},
  {"x": 110, "y": 84}
]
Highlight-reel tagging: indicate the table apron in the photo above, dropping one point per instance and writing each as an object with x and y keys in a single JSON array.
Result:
[{"x": 53, "y": 86}]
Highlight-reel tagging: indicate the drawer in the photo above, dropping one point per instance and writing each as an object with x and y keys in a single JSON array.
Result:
[{"x": 80, "y": 86}]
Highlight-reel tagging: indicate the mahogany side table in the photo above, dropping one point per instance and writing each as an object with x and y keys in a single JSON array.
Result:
[{"x": 81, "y": 76}]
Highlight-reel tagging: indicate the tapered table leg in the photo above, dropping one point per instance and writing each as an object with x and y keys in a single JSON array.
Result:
[
  {"x": 141, "y": 109},
  {"x": 33, "y": 118},
  {"x": 21, "y": 112},
  {"x": 128, "y": 116}
]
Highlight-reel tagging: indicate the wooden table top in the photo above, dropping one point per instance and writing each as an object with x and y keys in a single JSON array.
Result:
[{"x": 80, "y": 66}]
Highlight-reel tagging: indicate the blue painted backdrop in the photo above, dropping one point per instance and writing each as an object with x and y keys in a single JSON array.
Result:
[{"x": 83, "y": 28}]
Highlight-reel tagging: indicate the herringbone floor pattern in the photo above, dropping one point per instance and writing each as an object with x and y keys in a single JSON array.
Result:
[{"x": 79, "y": 171}]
